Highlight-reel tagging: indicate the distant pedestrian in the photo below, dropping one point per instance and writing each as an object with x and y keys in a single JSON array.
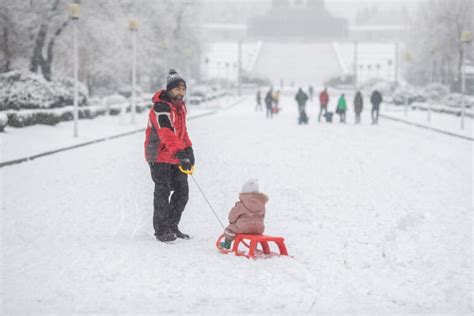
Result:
[
  {"x": 259, "y": 107},
  {"x": 341, "y": 108},
  {"x": 311, "y": 92},
  {"x": 269, "y": 103},
  {"x": 375, "y": 99},
  {"x": 276, "y": 102},
  {"x": 358, "y": 106},
  {"x": 323, "y": 103},
  {"x": 301, "y": 98}
]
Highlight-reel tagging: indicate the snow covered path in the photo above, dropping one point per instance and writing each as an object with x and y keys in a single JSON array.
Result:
[{"x": 378, "y": 219}]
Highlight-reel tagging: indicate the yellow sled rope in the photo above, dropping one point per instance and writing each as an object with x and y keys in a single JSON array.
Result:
[{"x": 188, "y": 172}]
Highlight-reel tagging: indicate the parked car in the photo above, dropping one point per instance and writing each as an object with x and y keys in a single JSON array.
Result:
[{"x": 402, "y": 94}]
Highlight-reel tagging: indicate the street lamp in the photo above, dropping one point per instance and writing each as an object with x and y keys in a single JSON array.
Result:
[
  {"x": 466, "y": 38},
  {"x": 74, "y": 12},
  {"x": 133, "y": 25},
  {"x": 408, "y": 59},
  {"x": 206, "y": 67},
  {"x": 434, "y": 49},
  {"x": 219, "y": 73}
]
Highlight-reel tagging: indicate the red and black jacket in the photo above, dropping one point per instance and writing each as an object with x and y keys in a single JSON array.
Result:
[{"x": 166, "y": 132}]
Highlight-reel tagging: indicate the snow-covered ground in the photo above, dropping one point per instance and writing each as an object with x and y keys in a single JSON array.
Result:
[{"x": 377, "y": 219}]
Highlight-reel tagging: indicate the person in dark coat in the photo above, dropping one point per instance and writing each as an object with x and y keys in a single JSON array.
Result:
[
  {"x": 269, "y": 103},
  {"x": 376, "y": 99},
  {"x": 258, "y": 107},
  {"x": 358, "y": 106},
  {"x": 301, "y": 98}
]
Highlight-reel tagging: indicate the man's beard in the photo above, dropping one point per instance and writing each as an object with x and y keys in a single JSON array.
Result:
[{"x": 177, "y": 97}]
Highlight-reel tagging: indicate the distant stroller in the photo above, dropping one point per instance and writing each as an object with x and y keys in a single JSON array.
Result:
[{"x": 328, "y": 116}]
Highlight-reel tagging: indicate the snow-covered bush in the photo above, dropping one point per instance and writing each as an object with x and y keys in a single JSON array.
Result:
[
  {"x": 435, "y": 91},
  {"x": 126, "y": 91},
  {"x": 115, "y": 99},
  {"x": 3, "y": 121},
  {"x": 32, "y": 117},
  {"x": 26, "y": 90}
]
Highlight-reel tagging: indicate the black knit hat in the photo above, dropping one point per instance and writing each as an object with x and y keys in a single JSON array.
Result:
[{"x": 173, "y": 80}]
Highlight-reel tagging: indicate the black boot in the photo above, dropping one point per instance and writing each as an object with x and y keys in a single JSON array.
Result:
[
  {"x": 180, "y": 234},
  {"x": 167, "y": 236}
]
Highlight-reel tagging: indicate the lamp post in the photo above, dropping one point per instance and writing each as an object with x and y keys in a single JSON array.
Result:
[
  {"x": 239, "y": 69},
  {"x": 133, "y": 25},
  {"x": 74, "y": 12},
  {"x": 389, "y": 70},
  {"x": 466, "y": 38},
  {"x": 218, "y": 74},
  {"x": 206, "y": 67},
  {"x": 407, "y": 59},
  {"x": 396, "y": 62},
  {"x": 227, "y": 64},
  {"x": 434, "y": 48},
  {"x": 356, "y": 57}
]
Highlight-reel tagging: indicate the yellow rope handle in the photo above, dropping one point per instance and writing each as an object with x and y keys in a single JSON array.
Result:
[{"x": 188, "y": 172}]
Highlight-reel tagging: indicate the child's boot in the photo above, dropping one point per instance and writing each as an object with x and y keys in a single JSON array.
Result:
[{"x": 226, "y": 244}]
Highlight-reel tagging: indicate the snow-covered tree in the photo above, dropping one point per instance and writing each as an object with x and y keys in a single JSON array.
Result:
[
  {"x": 39, "y": 37},
  {"x": 435, "y": 50}
]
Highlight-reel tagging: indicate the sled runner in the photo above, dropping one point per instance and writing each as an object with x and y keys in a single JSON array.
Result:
[{"x": 254, "y": 241}]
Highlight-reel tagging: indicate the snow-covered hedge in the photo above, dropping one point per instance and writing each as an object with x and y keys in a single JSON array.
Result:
[
  {"x": 54, "y": 116},
  {"x": 51, "y": 116},
  {"x": 3, "y": 121},
  {"x": 441, "y": 108},
  {"x": 26, "y": 90}
]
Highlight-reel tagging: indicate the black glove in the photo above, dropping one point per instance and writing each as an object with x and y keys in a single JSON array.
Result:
[
  {"x": 184, "y": 160},
  {"x": 190, "y": 155}
]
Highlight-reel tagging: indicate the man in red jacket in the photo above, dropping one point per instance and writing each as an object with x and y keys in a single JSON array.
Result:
[
  {"x": 323, "y": 103},
  {"x": 167, "y": 147}
]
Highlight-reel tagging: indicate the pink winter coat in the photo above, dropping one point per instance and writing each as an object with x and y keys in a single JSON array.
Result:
[{"x": 247, "y": 216}]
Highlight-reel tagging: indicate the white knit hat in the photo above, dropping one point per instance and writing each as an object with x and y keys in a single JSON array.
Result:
[{"x": 251, "y": 186}]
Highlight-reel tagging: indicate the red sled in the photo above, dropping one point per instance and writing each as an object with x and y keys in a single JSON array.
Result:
[{"x": 252, "y": 246}]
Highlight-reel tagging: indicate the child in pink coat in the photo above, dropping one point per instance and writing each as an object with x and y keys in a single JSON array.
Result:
[{"x": 247, "y": 216}]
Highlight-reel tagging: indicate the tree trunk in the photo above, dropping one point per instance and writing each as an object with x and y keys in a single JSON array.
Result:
[
  {"x": 37, "y": 58},
  {"x": 47, "y": 63},
  {"x": 6, "y": 51}
]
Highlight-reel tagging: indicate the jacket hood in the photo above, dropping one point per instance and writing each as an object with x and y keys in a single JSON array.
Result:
[
  {"x": 161, "y": 95},
  {"x": 254, "y": 202}
]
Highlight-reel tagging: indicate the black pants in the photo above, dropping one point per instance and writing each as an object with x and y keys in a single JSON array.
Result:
[
  {"x": 357, "y": 119},
  {"x": 167, "y": 211},
  {"x": 342, "y": 116},
  {"x": 375, "y": 114},
  {"x": 269, "y": 111},
  {"x": 321, "y": 109}
]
